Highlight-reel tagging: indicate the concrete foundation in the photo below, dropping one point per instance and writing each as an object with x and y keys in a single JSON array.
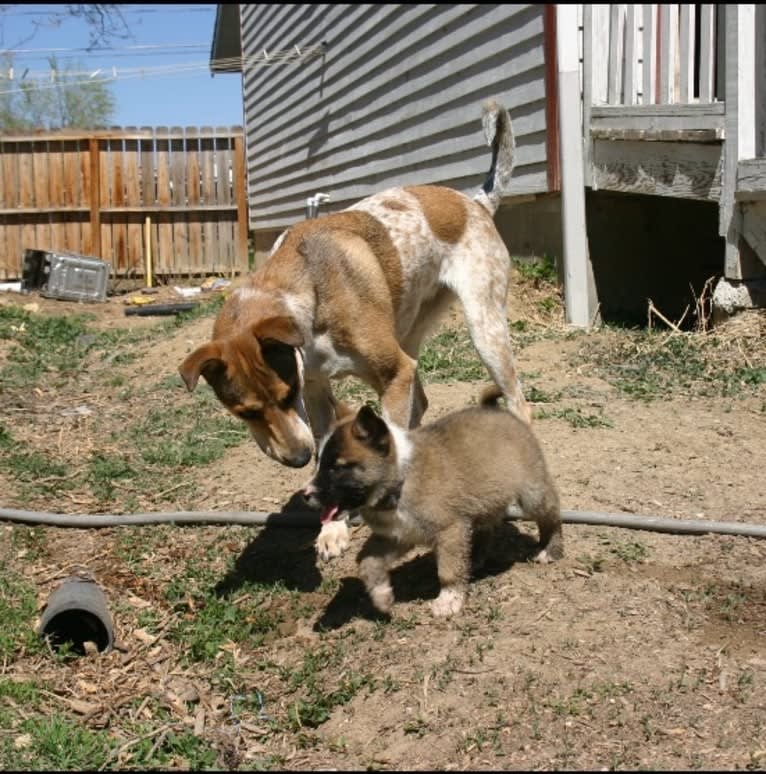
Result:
[{"x": 732, "y": 296}]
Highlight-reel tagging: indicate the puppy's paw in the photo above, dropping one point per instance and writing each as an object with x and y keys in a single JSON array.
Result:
[
  {"x": 449, "y": 602},
  {"x": 542, "y": 557},
  {"x": 333, "y": 539},
  {"x": 551, "y": 553},
  {"x": 382, "y": 597}
]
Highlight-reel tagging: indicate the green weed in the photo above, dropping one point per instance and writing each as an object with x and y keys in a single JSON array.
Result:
[
  {"x": 451, "y": 356},
  {"x": 206, "y": 308},
  {"x": 32, "y": 468},
  {"x": 42, "y": 345},
  {"x": 572, "y": 705},
  {"x": 18, "y": 606},
  {"x": 317, "y": 701},
  {"x": 575, "y": 417},
  {"x": 535, "y": 395},
  {"x": 55, "y": 744},
  {"x": 174, "y": 750},
  {"x": 196, "y": 432},
  {"x": 631, "y": 551},
  {"x": 105, "y": 470},
  {"x": 20, "y": 691},
  {"x": 417, "y": 727},
  {"x": 538, "y": 270}
]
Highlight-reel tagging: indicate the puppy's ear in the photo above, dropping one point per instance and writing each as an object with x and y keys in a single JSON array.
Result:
[
  {"x": 281, "y": 329},
  {"x": 205, "y": 360},
  {"x": 371, "y": 430}
]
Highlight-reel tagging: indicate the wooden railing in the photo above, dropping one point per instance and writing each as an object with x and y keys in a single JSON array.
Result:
[{"x": 653, "y": 54}]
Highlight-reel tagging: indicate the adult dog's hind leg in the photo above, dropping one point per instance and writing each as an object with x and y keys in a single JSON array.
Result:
[{"x": 483, "y": 295}]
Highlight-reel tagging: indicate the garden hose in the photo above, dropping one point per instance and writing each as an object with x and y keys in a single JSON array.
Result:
[{"x": 307, "y": 518}]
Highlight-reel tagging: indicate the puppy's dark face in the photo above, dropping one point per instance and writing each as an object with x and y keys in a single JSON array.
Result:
[{"x": 356, "y": 463}]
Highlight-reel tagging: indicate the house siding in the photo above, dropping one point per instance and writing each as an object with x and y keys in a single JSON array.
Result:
[{"x": 395, "y": 100}]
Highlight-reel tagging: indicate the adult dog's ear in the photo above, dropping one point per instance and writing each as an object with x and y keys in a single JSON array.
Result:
[
  {"x": 205, "y": 360},
  {"x": 281, "y": 329},
  {"x": 371, "y": 430},
  {"x": 278, "y": 338}
]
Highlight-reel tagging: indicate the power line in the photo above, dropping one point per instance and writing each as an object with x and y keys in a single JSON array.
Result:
[
  {"x": 119, "y": 52},
  {"x": 264, "y": 58},
  {"x": 142, "y": 47}
]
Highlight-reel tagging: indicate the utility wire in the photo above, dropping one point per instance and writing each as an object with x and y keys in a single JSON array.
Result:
[
  {"x": 264, "y": 58},
  {"x": 144, "y": 49}
]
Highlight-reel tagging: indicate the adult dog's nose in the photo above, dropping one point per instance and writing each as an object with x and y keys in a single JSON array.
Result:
[{"x": 299, "y": 460}]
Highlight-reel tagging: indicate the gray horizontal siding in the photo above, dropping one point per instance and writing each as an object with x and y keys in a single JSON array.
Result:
[{"x": 395, "y": 100}]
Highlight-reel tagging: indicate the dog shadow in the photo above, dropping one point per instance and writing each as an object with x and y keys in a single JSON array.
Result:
[
  {"x": 278, "y": 554},
  {"x": 416, "y": 580}
]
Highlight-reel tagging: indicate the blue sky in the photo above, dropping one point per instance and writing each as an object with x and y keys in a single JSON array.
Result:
[{"x": 175, "y": 88}]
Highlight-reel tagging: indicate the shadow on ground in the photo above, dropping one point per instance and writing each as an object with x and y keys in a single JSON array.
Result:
[
  {"x": 416, "y": 580},
  {"x": 278, "y": 554}
]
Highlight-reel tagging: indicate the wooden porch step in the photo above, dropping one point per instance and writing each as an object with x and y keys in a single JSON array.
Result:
[{"x": 659, "y": 135}]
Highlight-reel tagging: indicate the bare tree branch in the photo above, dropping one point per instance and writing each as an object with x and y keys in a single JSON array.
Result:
[{"x": 105, "y": 22}]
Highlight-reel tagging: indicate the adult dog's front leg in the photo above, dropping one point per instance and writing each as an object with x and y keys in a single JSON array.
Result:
[
  {"x": 320, "y": 407},
  {"x": 401, "y": 395}
]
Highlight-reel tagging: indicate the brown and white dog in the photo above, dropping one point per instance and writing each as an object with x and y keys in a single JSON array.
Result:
[
  {"x": 441, "y": 485},
  {"x": 355, "y": 293}
]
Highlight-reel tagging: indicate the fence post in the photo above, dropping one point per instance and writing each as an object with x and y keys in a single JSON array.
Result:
[
  {"x": 95, "y": 198},
  {"x": 240, "y": 194}
]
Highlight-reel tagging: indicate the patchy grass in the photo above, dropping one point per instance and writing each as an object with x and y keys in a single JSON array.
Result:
[
  {"x": 576, "y": 417},
  {"x": 195, "y": 432},
  {"x": 316, "y": 696},
  {"x": 54, "y": 743},
  {"x": 648, "y": 365},
  {"x": 18, "y": 605},
  {"x": 450, "y": 356}
]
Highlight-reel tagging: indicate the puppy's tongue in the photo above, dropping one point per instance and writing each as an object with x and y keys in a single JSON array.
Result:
[{"x": 328, "y": 514}]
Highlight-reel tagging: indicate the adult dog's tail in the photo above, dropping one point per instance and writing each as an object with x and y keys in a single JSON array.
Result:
[{"x": 499, "y": 133}]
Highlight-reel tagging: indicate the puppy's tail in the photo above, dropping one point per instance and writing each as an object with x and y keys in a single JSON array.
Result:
[
  {"x": 490, "y": 397},
  {"x": 498, "y": 131}
]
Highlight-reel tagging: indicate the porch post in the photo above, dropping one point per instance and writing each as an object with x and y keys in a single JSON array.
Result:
[
  {"x": 739, "y": 123},
  {"x": 579, "y": 308}
]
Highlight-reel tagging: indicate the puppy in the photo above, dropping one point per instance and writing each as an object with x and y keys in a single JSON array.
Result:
[
  {"x": 355, "y": 293},
  {"x": 437, "y": 486}
]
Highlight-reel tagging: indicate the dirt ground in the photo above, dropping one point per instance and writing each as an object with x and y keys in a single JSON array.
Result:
[{"x": 638, "y": 650}]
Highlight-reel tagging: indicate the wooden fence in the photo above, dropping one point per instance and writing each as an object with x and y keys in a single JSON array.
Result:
[{"x": 102, "y": 193}]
